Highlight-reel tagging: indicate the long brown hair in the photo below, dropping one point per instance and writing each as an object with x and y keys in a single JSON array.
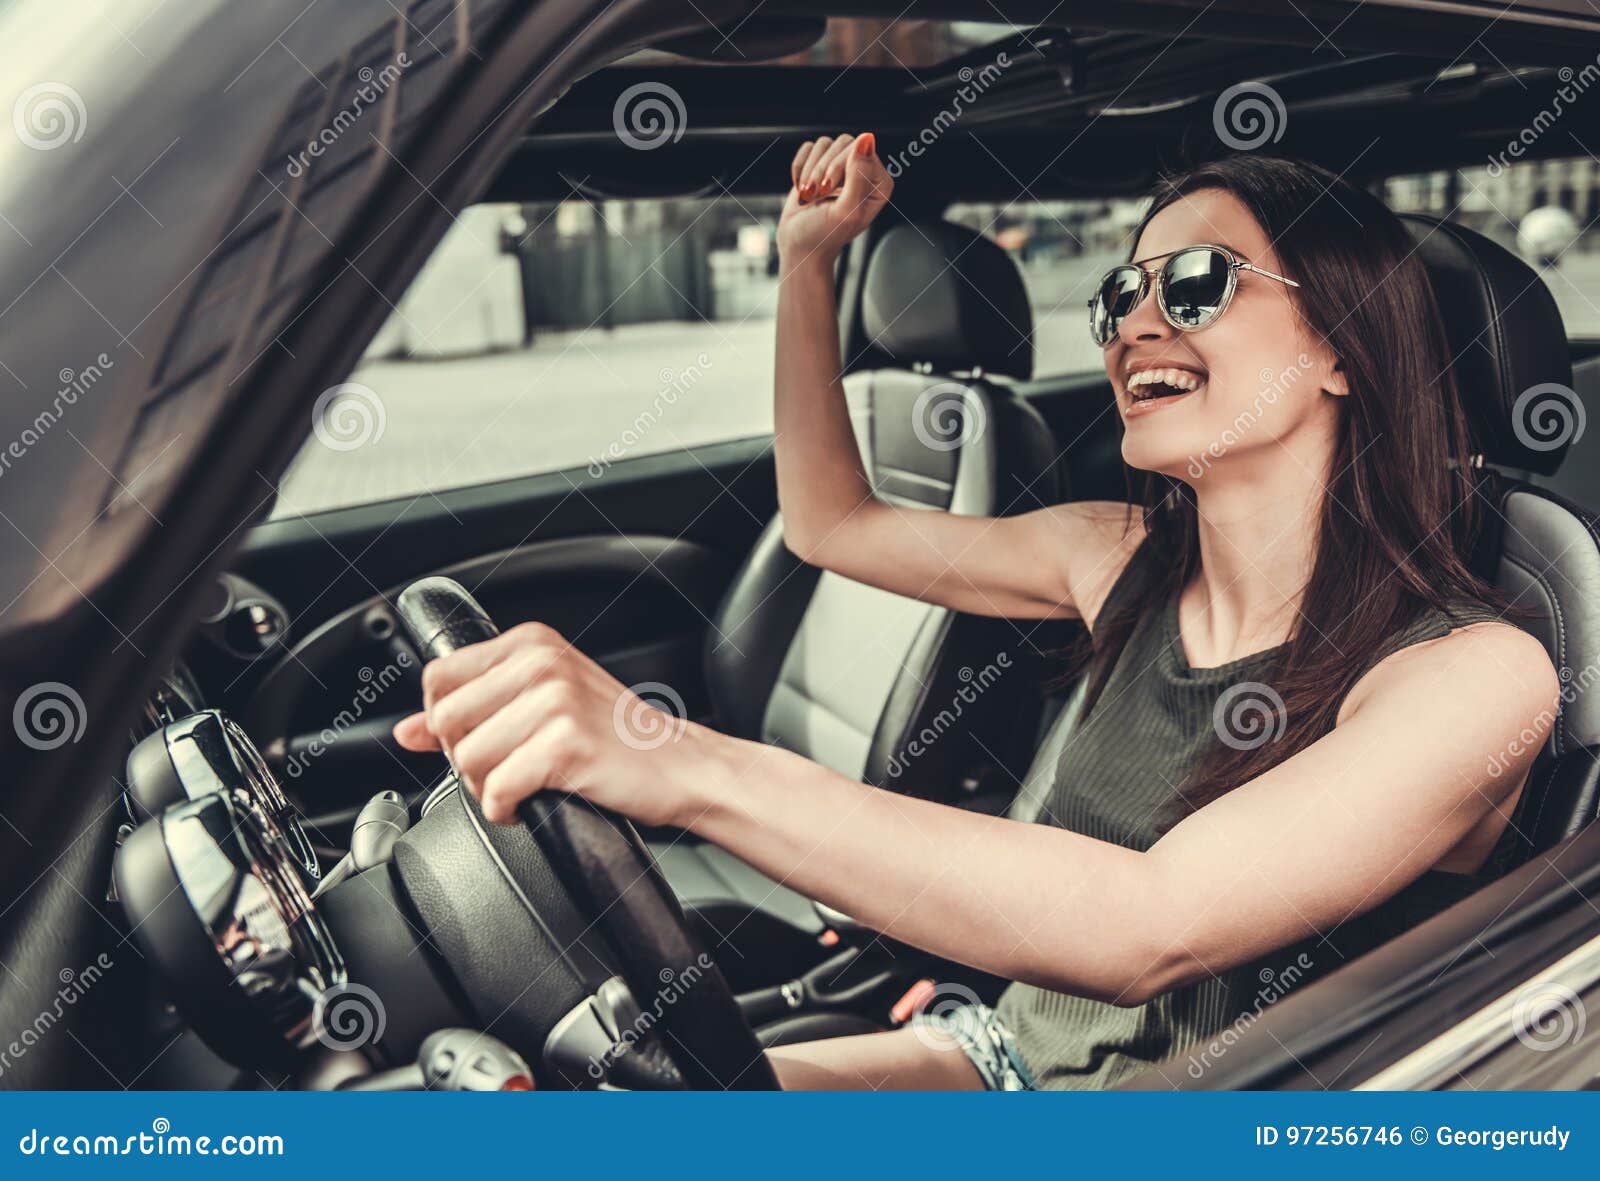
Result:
[{"x": 1400, "y": 513}]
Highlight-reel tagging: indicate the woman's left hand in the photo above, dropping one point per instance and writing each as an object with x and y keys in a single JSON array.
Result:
[{"x": 526, "y": 710}]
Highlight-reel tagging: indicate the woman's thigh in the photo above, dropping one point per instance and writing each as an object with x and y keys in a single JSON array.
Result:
[{"x": 907, "y": 1059}]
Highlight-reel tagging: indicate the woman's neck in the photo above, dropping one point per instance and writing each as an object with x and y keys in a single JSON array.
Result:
[{"x": 1257, "y": 546}]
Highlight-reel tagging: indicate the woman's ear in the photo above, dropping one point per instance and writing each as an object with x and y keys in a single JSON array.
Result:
[{"x": 1336, "y": 383}]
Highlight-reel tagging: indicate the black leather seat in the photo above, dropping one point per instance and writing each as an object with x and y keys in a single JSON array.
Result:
[
  {"x": 875, "y": 685},
  {"x": 1513, "y": 364}
]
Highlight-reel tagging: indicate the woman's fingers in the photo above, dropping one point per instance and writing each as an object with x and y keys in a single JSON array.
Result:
[
  {"x": 838, "y": 160},
  {"x": 867, "y": 183},
  {"x": 828, "y": 168},
  {"x": 412, "y": 733},
  {"x": 809, "y": 174},
  {"x": 530, "y": 767},
  {"x": 459, "y": 713},
  {"x": 797, "y": 167},
  {"x": 491, "y": 742}
]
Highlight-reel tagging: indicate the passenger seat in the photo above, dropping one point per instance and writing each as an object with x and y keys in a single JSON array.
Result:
[{"x": 885, "y": 689}]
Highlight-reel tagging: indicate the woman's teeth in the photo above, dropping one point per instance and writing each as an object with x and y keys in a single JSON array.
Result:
[{"x": 1156, "y": 383}]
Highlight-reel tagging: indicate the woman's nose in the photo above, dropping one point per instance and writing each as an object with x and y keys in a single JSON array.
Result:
[{"x": 1145, "y": 322}]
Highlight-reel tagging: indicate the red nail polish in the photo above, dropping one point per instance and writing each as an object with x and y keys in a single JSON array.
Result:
[
  {"x": 866, "y": 144},
  {"x": 826, "y": 186}
]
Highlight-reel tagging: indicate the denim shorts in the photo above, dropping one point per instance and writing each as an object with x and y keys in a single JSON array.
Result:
[{"x": 988, "y": 1044}]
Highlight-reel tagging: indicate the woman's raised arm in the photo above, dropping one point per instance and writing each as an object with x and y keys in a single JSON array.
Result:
[{"x": 1040, "y": 564}]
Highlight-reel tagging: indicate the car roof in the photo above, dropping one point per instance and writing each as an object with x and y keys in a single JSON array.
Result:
[{"x": 1063, "y": 109}]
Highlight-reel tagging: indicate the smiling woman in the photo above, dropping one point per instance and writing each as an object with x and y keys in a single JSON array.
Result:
[{"x": 1286, "y": 651}]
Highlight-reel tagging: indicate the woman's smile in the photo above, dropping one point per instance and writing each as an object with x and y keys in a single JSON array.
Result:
[{"x": 1153, "y": 384}]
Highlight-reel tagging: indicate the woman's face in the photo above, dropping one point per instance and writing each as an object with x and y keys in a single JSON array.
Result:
[{"x": 1262, "y": 381}]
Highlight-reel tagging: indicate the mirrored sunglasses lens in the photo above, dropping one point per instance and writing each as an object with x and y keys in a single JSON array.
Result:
[
  {"x": 1194, "y": 284},
  {"x": 1119, "y": 292}
]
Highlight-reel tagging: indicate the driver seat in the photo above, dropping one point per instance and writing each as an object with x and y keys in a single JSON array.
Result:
[
  {"x": 856, "y": 678},
  {"x": 1513, "y": 365}
]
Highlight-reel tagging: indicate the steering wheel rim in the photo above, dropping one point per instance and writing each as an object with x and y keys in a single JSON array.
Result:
[{"x": 605, "y": 867}]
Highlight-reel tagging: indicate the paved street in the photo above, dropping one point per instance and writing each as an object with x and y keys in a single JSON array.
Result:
[{"x": 573, "y": 398}]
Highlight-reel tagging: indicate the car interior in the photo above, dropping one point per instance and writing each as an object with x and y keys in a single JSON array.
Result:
[{"x": 667, "y": 562}]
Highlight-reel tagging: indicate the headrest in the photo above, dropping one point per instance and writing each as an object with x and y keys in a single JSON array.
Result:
[
  {"x": 943, "y": 295},
  {"x": 1506, "y": 338}
]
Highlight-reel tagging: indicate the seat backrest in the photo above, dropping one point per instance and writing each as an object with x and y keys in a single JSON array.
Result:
[
  {"x": 887, "y": 689},
  {"x": 1513, "y": 364}
]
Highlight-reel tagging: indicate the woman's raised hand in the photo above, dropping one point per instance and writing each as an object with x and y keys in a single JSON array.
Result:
[{"x": 839, "y": 186}]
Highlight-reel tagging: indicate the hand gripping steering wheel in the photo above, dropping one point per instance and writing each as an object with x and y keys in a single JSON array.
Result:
[{"x": 609, "y": 873}]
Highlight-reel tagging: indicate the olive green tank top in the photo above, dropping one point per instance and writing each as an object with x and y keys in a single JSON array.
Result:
[{"x": 1116, "y": 773}]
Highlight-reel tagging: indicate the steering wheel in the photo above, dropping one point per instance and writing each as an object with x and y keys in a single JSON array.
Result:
[{"x": 600, "y": 860}]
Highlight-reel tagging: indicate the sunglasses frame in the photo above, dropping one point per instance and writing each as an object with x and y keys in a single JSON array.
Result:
[{"x": 1146, "y": 274}]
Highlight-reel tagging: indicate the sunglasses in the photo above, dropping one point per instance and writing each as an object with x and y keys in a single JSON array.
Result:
[{"x": 1193, "y": 288}]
